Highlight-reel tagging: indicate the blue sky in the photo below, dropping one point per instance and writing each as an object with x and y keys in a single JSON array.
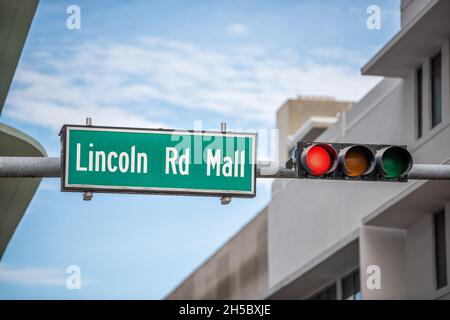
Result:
[{"x": 165, "y": 64}]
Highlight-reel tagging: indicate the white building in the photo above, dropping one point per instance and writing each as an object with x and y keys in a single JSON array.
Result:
[{"x": 326, "y": 238}]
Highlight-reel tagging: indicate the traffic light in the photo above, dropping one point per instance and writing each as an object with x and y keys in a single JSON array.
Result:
[{"x": 347, "y": 161}]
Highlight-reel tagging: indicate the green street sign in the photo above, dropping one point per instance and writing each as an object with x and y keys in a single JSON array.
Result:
[{"x": 127, "y": 160}]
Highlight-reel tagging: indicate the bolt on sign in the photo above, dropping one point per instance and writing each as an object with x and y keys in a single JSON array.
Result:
[{"x": 126, "y": 160}]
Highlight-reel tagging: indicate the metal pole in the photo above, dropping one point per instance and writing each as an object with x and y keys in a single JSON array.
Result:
[
  {"x": 87, "y": 195},
  {"x": 41, "y": 167},
  {"x": 268, "y": 169},
  {"x": 30, "y": 167},
  {"x": 430, "y": 172},
  {"x": 224, "y": 200}
]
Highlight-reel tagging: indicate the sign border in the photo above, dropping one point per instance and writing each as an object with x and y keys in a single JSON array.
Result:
[{"x": 66, "y": 187}]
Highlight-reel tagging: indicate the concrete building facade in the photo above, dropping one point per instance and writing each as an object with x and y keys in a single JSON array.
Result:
[
  {"x": 306, "y": 118},
  {"x": 393, "y": 227},
  {"x": 375, "y": 240},
  {"x": 238, "y": 270}
]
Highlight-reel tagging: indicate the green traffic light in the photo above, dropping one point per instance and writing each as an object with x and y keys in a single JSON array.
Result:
[{"x": 396, "y": 162}]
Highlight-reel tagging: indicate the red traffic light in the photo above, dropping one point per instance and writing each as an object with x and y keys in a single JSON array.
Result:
[{"x": 319, "y": 159}]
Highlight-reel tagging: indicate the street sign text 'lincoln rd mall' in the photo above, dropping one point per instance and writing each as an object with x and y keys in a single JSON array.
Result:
[{"x": 107, "y": 159}]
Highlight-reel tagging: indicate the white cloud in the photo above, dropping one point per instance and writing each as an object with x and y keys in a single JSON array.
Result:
[
  {"x": 334, "y": 54},
  {"x": 143, "y": 84},
  {"x": 238, "y": 30},
  {"x": 33, "y": 276}
]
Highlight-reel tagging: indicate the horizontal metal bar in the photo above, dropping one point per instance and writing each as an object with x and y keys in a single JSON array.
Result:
[
  {"x": 270, "y": 169},
  {"x": 30, "y": 167},
  {"x": 430, "y": 172},
  {"x": 40, "y": 167}
]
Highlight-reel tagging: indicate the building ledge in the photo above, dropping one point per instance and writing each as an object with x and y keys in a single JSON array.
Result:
[
  {"x": 15, "y": 193},
  {"x": 319, "y": 272},
  {"x": 15, "y": 21},
  {"x": 415, "y": 42},
  {"x": 311, "y": 129}
]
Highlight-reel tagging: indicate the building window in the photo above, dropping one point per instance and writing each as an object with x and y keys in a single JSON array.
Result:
[
  {"x": 436, "y": 90},
  {"x": 419, "y": 101},
  {"x": 440, "y": 249},
  {"x": 351, "y": 287},
  {"x": 329, "y": 293}
]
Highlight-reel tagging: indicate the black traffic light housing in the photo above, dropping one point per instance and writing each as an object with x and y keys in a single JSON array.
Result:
[{"x": 351, "y": 161}]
